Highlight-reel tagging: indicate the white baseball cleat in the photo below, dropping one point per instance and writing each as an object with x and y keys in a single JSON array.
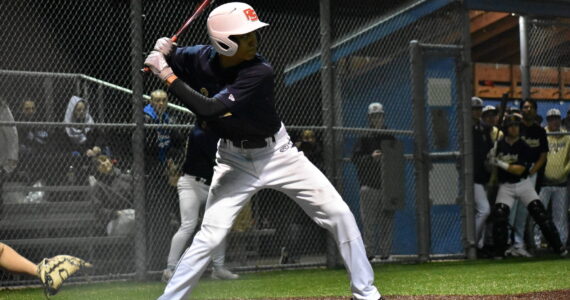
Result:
[{"x": 223, "y": 274}]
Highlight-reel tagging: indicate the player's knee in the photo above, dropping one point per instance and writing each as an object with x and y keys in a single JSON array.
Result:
[
  {"x": 501, "y": 213},
  {"x": 212, "y": 236},
  {"x": 537, "y": 211}
]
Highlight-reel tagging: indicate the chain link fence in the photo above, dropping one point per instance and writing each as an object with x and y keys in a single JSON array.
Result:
[{"x": 331, "y": 60}]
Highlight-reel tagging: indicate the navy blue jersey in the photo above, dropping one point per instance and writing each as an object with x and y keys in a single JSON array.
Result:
[
  {"x": 245, "y": 89},
  {"x": 482, "y": 143},
  {"x": 201, "y": 153},
  {"x": 518, "y": 153},
  {"x": 535, "y": 137}
]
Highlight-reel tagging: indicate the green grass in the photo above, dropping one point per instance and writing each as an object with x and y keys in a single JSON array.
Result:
[{"x": 483, "y": 277}]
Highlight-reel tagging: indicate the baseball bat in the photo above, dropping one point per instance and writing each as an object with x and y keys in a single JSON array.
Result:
[
  {"x": 197, "y": 12},
  {"x": 502, "y": 110}
]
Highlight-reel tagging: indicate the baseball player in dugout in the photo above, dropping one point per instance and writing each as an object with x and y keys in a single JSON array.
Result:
[
  {"x": 482, "y": 144},
  {"x": 193, "y": 189},
  {"x": 535, "y": 136},
  {"x": 377, "y": 213},
  {"x": 229, "y": 84},
  {"x": 513, "y": 158}
]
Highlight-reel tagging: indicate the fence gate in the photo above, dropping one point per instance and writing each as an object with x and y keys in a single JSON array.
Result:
[{"x": 444, "y": 206}]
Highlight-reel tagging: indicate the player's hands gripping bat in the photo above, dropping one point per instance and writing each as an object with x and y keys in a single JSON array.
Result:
[{"x": 165, "y": 44}]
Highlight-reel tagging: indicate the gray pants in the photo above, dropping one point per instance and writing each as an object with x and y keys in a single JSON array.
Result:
[{"x": 377, "y": 222}]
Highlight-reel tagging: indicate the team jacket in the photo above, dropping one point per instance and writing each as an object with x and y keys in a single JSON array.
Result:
[{"x": 482, "y": 143}]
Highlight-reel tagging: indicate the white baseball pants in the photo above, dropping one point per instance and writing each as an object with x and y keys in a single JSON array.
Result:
[{"x": 242, "y": 172}]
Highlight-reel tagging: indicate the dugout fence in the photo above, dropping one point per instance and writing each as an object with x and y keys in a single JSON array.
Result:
[{"x": 331, "y": 59}]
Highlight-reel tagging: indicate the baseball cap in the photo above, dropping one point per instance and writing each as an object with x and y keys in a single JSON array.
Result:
[
  {"x": 476, "y": 102},
  {"x": 553, "y": 112},
  {"x": 489, "y": 109},
  {"x": 512, "y": 120},
  {"x": 375, "y": 108}
]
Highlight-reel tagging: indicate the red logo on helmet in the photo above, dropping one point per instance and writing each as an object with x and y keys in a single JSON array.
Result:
[{"x": 250, "y": 14}]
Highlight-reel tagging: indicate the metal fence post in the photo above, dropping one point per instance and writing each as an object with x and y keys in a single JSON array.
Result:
[
  {"x": 138, "y": 139},
  {"x": 328, "y": 112},
  {"x": 465, "y": 91},
  {"x": 421, "y": 158},
  {"x": 525, "y": 69}
]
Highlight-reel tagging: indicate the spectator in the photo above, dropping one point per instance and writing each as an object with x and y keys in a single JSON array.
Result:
[
  {"x": 535, "y": 137},
  {"x": 34, "y": 145},
  {"x": 482, "y": 144},
  {"x": 297, "y": 224},
  {"x": 377, "y": 215},
  {"x": 193, "y": 189},
  {"x": 514, "y": 158},
  {"x": 78, "y": 141},
  {"x": 556, "y": 175},
  {"x": 113, "y": 191},
  {"x": 161, "y": 154},
  {"x": 312, "y": 149}
]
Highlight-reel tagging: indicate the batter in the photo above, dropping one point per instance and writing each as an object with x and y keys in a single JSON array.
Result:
[{"x": 255, "y": 150}]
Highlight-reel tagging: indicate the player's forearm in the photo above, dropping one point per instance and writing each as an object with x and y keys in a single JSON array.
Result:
[
  {"x": 196, "y": 102},
  {"x": 516, "y": 169},
  {"x": 538, "y": 164}
]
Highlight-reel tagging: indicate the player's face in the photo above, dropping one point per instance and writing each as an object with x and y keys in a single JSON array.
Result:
[
  {"x": 476, "y": 113},
  {"x": 513, "y": 131},
  {"x": 553, "y": 123},
  {"x": 376, "y": 120},
  {"x": 247, "y": 45},
  {"x": 528, "y": 111}
]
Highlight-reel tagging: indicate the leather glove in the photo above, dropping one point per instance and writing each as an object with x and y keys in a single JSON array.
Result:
[
  {"x": 54, "y": 271},
  {"x": 164, "y": 45},
  {"x": 158, "y": 65}
]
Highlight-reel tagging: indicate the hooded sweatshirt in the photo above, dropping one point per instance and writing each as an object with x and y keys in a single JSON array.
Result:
[{"x": 558, "y": 159}]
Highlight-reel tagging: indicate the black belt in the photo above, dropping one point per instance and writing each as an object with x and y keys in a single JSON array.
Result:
[{"x": 251, "y": 143}]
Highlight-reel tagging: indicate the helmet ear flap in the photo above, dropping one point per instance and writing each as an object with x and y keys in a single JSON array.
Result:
[{"x": 224, "y": 46}]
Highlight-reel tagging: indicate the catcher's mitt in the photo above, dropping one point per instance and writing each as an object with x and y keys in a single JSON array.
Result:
[{"x": 54, "y": 271}]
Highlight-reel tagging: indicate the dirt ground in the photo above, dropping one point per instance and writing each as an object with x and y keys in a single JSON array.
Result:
[{"x": 550, "y": 295}]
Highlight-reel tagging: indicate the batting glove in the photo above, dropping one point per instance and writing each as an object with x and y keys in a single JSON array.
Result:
[
  {"x": 499, "y": 163},
  {"x": 158, "y": 65},
  {"x": 164, "y": 45},
  {"x": 54, "y": 271}
]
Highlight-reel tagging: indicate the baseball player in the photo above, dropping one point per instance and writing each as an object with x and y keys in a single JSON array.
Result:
[
  {"x": 52, "y": 272},
  {"x": 482, "y": 144},
  {"x": 193, "y": 189},
  {"x": 254, "y": 151},
  {"x": 513, "y": 158}
]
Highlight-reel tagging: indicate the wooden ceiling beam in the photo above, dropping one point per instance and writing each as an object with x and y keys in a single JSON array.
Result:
[
  {"x": 493, "y": 30},
  {"x": 486, "y": 19}
]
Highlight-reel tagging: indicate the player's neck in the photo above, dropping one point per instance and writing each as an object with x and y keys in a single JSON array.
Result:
[
  {"x": 229, "y": 61},
  {"x": 511, "y": 140}
]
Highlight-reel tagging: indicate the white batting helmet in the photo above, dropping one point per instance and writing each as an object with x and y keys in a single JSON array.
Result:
[{"x": 233, "y": 18}]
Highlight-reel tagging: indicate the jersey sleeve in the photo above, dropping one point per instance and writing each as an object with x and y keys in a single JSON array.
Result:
[
  {"x": 543, "y": 142},
  {"x": 182, "y": 60},
  {"x": 250, "y": 84}
]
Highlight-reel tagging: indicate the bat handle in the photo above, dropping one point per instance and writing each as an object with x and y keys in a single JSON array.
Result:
[{"x": 174, "y": 38}]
